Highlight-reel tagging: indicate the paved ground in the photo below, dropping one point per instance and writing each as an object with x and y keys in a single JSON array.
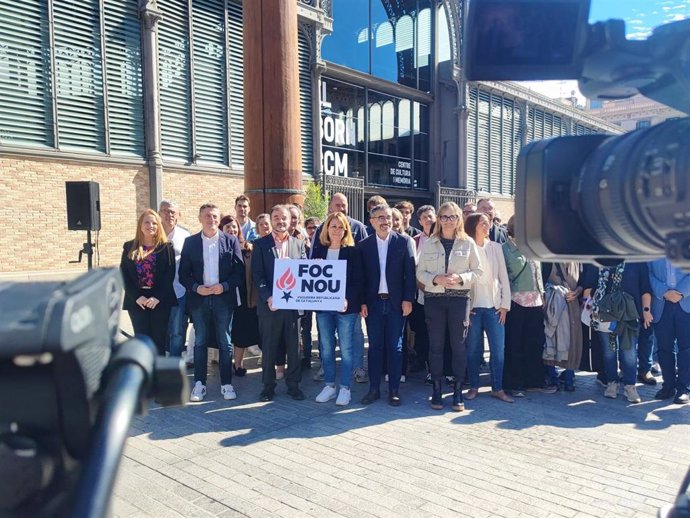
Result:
[{"x": 569, "y": 454}]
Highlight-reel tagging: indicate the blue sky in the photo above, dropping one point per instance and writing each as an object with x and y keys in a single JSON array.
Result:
[{"x": 640, "y": 16}]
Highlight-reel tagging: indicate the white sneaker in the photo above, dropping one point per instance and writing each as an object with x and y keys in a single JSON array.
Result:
[
  {"x": 361, "y": 375},
  {"x": 403, "y": 379},
  {"x": 611, "y": 390},
  {"x": 326, "y": 394},
  {"x": 318, "y": 375},
  {"x": 343, "y": 397},
  {"x": 254, "y": 349},
  {"x": 228, "y": 392},
  {"x": 198, "y": 392},
  {"x": 631, "y": 393}
]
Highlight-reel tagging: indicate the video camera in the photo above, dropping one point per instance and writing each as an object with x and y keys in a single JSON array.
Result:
[
  {"x": 68, "y": 393},
  {"x": 602, "y": 198}
]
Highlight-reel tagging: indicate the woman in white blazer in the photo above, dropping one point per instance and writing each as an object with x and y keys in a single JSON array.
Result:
[{"x": 490, "y": 299}]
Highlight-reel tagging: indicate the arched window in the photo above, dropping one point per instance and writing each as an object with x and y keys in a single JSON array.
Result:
[
  {"x": 404, "y": 31},
  {"x": 384, "y": 34},
  {"x": 375, "y": 122}
]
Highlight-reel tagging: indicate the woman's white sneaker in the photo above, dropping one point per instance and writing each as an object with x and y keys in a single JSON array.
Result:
[
  {"x": 198, "y": 392},
  {"x": 344, "y": 397},
  {"x": 326, "y": 394}
]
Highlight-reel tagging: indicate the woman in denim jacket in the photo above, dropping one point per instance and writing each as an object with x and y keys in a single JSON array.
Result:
[{"x": 448, "y": 266}]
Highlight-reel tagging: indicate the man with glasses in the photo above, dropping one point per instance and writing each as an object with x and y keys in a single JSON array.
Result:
[
  {"x": 177, "y": 326},
  {"x": 389, "y": 287},
  {"x": 467, "y": 209}
]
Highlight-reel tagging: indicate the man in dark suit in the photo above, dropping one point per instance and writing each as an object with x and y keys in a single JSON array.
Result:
[
  {"x": 389, "y": 289},
  {"x": 497, "y": 233},
  {"x": 211, "y": 270},
  {"x": 277, "y": 325},
  {"x": 339, "y": 203}
]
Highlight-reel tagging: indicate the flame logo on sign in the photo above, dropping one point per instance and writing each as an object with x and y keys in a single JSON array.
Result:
[{"x": 287, "y": 281}]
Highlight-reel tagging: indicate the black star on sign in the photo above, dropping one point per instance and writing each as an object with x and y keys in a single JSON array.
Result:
[{"x": 286, "y": 296}]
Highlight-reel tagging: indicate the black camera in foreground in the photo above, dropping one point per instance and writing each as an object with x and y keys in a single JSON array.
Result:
[
  {"x": 68, "y": 393},
  {"x": 594, "y": 198}
]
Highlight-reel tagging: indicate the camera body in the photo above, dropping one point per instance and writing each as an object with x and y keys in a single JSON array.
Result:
[{"x": 602, "y": 198}]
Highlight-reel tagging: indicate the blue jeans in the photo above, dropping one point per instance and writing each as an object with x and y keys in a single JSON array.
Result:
[
  {"x": 486, "y": 319},
  {"x": 645, "y": 350},
  {"x": 385, "y": 326},
  {"x": 568, "y": 376},
  {"x": 673, "y": 338},
  {"x": 327, "y": 322},
  {"x": 626, "y": 357},
  {"x": 213, "y": 309},
  {"x": 177, "y": 327}
]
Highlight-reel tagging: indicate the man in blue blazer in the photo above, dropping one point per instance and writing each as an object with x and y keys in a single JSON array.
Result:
[
  {"x": 277, "y": 325},
  {"x": 211, "y": 270},
  {"x": 671, "y": 312},
  {"x": 389, "y": 289}
]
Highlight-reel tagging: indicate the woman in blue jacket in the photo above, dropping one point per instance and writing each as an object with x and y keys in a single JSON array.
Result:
[{"x": 338, "y": 244}]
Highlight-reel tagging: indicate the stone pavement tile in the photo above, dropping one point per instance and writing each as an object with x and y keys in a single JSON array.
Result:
[{"x": 545, "y": 456}]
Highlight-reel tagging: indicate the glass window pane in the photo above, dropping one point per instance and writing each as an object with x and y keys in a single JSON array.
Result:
[
  {"x": 423, "y": 54},
  {"x": 349, "y": 43},
  {"x": 443, "y": 36},
  {"x": 383, "y": 59}
]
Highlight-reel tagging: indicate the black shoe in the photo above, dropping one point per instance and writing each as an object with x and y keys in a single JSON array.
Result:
[
  {"x": 371, "y": 396},
  {"x": 306, "y": 364},
  {"x": 665, "y": 393},
  {"x": 682, "y": 398},
  {"x": 296, "y": 394},
  {"x": 240, "y": 373},
  {"x": 436, "y": 397},
  {"x": 458, "y": 403},
  {"x": 267, "y": 393},
  {"x": 646, "y": 378},
  {"x": 394, "y": 398}
]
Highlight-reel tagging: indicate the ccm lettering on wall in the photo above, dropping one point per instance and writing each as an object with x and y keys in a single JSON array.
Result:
[{"x": 309, "y": 284}]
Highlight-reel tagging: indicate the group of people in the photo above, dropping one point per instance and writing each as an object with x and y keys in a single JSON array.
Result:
[{"x": 428, "y": 297}]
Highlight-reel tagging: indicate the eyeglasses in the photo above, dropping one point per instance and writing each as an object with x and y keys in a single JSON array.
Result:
[
  {"x": 383, "y": 219},
  {"x": 311, "y": 228},
  {"x": 448, "y": 217}
]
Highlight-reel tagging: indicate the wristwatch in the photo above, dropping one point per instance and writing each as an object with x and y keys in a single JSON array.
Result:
[{"x": 646, "y": 309}]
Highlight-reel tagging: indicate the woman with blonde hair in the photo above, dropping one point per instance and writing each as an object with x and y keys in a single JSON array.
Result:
[
  {"x": 148, "y": 270},
  {"x": 448, "y": 267},
  {"x": 338, "y": 244}
]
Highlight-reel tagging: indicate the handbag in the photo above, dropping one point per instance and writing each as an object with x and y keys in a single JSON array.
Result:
[
  {"x": 590, "y": 308},
  {"x": 588, "y": 318}
]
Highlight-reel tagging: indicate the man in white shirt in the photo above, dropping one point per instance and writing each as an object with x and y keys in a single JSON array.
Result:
[
  {"x": 177, "y": 328},
  {"x": 211, "y": 270}
]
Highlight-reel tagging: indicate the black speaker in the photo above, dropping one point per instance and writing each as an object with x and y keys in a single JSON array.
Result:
[{"x": 83, "y": 206}]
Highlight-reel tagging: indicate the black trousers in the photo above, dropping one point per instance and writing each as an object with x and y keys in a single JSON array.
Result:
[
  {"x": 525, "y": 338},
  {"x": 417, "y": 321},
  {"x": 152, "y": 323},
  {"x": 446, "y": 317},
  {"x": 276, "y": 328}
]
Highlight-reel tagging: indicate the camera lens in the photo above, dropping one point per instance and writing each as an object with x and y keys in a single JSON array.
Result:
[{"x": 633, "y": 189}]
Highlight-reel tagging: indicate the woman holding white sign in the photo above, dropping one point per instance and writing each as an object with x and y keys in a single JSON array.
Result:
[{"x": 338, "y": 244}]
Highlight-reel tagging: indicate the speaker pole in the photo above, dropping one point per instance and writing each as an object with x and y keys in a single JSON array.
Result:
[{"x": 88, "y": 249}]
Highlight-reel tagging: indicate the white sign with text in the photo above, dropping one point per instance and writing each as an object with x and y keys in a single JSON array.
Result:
[{"x": 309, "y": 284}]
